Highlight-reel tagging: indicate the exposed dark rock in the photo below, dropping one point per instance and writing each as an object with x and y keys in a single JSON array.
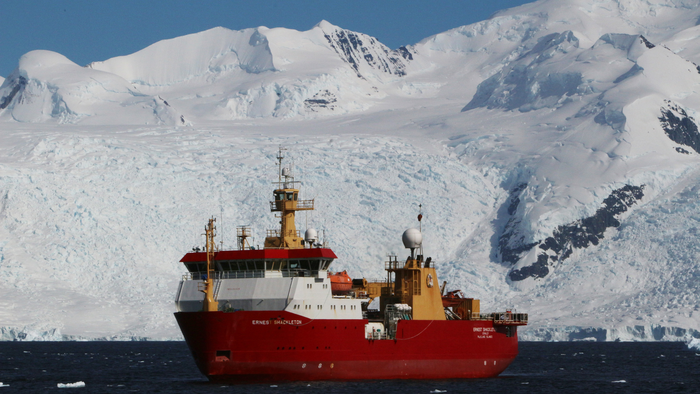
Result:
[
  {"x": 352, "y": 49},
  {"x": 404, "y": 53},
  {"x": 680, "y": 127},
  {"x": 580, "y": 234},
  {"x": 19, "y": 85},
  {"x": 697, "y": 68},
  {"x": 681, "y": 150},
  {"x": 322, "y": 99},
  {"x": 539, "y": 269},
  {"x": 646, "y": 42}
]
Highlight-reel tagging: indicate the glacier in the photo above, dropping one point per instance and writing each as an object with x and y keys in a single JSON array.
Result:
[{"x": 553, "y": 149}]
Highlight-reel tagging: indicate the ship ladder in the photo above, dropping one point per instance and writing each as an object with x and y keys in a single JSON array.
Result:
[{"x": 217, "y": 286}]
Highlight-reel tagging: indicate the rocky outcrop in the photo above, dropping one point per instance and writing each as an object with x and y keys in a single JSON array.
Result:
[
  {"x": 321, "y": 100},
  {"x": 577, "y": 235},
  {"x": 360, "y": 49},
  {"x": 680, "y": 127},
  {"x": 17, "y": 86}
]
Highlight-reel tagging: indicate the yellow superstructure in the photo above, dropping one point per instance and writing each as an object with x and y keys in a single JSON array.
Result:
[
  {"x": 415, "y": 284},
  {"x": 287, "y": 202}
]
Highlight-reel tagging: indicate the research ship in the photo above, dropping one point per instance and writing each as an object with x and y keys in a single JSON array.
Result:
[{"x": 277, "y": 313}]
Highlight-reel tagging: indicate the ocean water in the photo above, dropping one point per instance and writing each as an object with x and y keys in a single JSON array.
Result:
[{"x": 166, "y": 367}]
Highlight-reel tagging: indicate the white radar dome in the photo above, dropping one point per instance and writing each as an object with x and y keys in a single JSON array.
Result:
[
  {"x": 412, "y": 238},
  {"x": 310, "y": 235}
]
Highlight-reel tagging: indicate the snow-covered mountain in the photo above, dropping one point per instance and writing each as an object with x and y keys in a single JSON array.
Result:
[{"x": 554, "y": 148}]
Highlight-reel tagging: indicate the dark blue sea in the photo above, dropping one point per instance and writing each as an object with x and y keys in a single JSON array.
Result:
[{"x": 166, "y": 367}]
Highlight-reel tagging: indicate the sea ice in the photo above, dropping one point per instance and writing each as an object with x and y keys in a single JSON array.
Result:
[{"x": 71, "y": 385}]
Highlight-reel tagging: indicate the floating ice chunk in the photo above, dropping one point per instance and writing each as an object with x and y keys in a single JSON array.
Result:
[
  {"x": 694, "y": 344},
  {"x": 71, "y": 385},
  {"x": 438, "y": 391},
  {"x": 4, "y": 385},
  {"x": 619, "y": 381}
]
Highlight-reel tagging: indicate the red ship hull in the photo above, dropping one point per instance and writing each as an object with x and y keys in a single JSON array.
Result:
[{"x": 281, "y": 346}]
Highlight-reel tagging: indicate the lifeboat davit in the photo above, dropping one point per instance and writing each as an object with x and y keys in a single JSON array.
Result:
[{"x": 341, "y": 283}]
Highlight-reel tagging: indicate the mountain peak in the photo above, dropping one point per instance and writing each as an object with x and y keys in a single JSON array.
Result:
[
  {"x": 326, "y": 26},
  {"x": 39, "y": 60}
]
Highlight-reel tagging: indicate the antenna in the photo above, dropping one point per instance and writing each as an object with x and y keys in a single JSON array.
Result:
[
  {"x": 420, "y": 224},
  {"x": 279, "y": 160}
]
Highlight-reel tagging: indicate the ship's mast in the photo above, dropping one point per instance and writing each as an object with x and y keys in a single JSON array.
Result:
[
  {"x": 279, "y": 170},
  {"x": 210, "y": 305}
]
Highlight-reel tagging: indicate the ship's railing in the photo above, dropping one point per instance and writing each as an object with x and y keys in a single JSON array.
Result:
[
  {"x": 300, "y": 204},
  {"x": 393, "y": 265},
  {"x": 502, "y": 317},
  {"x": 509, "y": 318},
  {"x": 288, "y": 233},
  {"x": 225, "y": 275},
  {"x": 249, "y": 274}
]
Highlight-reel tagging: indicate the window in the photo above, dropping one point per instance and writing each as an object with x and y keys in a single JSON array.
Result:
[{"x": 314, "y": 264}]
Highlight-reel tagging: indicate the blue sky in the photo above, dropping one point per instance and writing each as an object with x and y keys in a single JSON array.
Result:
[{"x": 87, "y": 31}]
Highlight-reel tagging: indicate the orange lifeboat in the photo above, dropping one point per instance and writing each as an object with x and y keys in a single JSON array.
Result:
[
  {"x": 341, "y": 283},
  {"x": 452, "y": 299}
]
